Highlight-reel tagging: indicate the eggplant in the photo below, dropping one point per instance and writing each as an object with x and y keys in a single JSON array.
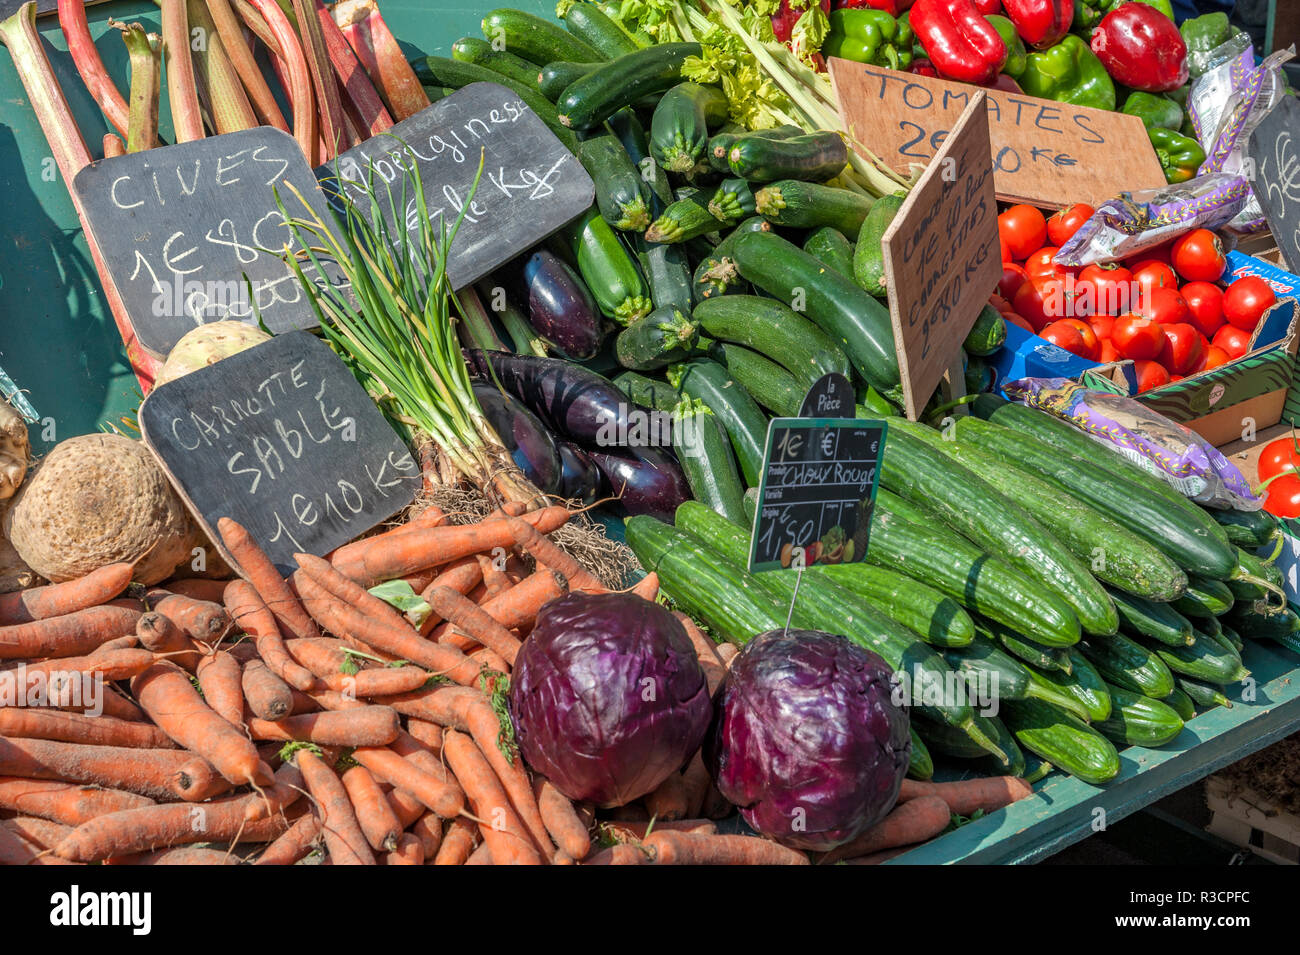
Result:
[
  {"x": 560, "y": 307},
  {"x": 526, "y": 438},
  {"x": 646, "y": 480},
  {"x": 580, "y": 479}
]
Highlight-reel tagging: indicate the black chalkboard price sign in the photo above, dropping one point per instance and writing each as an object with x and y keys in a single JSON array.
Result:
[
  {"x": 531, "y": 185},
  {"x": 188, "y": 230},
  {"x": 817, "y": 492},
  {"x": 1274, "y": 149},
  {"x": 282, "y": 439}
]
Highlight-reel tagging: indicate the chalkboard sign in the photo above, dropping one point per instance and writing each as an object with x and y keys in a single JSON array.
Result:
[
  {"x": 817, "y": 492},
  {"x": 531, "y": 185},
  {"x": 1274, "y": 149},
  {"x": 831, "y": 396},
  {"x": 282, "y": 439},
  {"x": 187, "y": 230}
]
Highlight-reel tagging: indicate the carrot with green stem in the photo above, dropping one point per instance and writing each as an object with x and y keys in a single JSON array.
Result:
[
  {"x": 67, "y": 803},
  {"x": 913, "y": 821},
  {"x": 547, "y": 554},
  {"x": 474, "y": 622},
  {"x": 251, "y": 615},
  {"x": 30, "y": 723},
  {"x": 363, "y": 726},
  {"x": 562, "y": 822},
  {"x": 268, "y": 697},
  {"x": 344, "y": 840},
  {"x": 296, "y": 843},
  {"x": 56, "y": 600},
  {"x": 459, "y": 839},
  {"x": 502, "y": 829},
  {"x": 667, "y": 847},
  {"x": 373, "y": 812},
  {"x": 71, "y": 635},
  {"x": 274, "y": 590},
  {"x": 220, "y": 679}
]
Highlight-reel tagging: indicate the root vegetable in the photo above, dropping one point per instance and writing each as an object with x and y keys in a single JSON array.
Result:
[
  {"x": 266, "y": 580},
  {"x": 913, "y": 821},
  {"x": 55, "y": 600},
  {"x": 375, "y": 816},
  {"x": 503, "y": 831},
  {"x": 66, "y": 803},
  {"x": 458, "y": 842},
  {"x": 74, "y": 634},
  {"x": 296, "y": 843},
  {"x": 363, "y": 726},
  {"x": 344, "y": 839},
  {"x": 686, "y": 848},
  {"x": 267, "y": 696},
  {"x": 251, "y": 615}
]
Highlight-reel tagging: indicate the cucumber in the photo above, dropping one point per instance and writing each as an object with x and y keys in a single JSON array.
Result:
[
  {"x": 988, "y": 672},
  {"x": 733, "y": 201},
  {"x": 1041, "y": 687},
  {"x": 830, "y": 247},
  {"x": 1064, "y": 740},
  {"x": 1177, "y": 529},
  {"x": 537, "y": 40},
  {"x": 1139, "y": 721},
  {"x": 955, "y": 743},
  {"x": 716, "y": 273},
  {"x": 1215, "y": 636},
  {"x": 937, "y": 618},
  {"x": 1114, "y": 554},
  {"x": 1248, "y": 528},
  {"x": 1204, "y": 598},
  {"x": 1232, "y": 636},
  {"x": 619, "y": 194},
  {"x": 1159, "y": 621},
  {"x": 1203, "y": 694},
  {"x": 920, "y": 765},
  {"x": 771, "y": 329},
  {"x": 655, "y": 340},
  {"x": 987, "y": 335},
  {"x": 768, "y": 383},
  {"x": 1210, "y": 625},
  {"x": 857, "y": 322},
  {"x": 684, "y": 219},
  {"x": 912, "y": 468},
  {"x": 1084, "y": 688},
  {"x": 1130, "y": 665},
  {"x": 607, "y": 268},
  {"x": 1205, "y": 659},
  {"x": 869, "y": 252},
  {"x": 1256, "y": 579},
  {"x": 809, "y": 205},
  {"x": 470, "y": 49},
  {"x": 557, "y": 77},
  {"x": 813, "y": 157},
  {"x": 751, "y": 505},
  {"x": 1181, "y": 703},
  {"x": 649, "y": 392},
  {"x": 679, "y": 127},
  {"x": 603, "y": 33},
  {"x": 1260, "y": 621},
  {"x": 745, "y": 424},
  {"x": 1036, "y": 768},
  {"x": 706, "y": 459},
  {"x": 592, "y": 99},
  {"x": 1026, "y": 649}
]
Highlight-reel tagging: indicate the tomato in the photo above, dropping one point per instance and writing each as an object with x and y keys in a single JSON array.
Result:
[
  {"x": 1013, "y": 276},
  {"x": 1198, "y": 256},
  {"x": 1065, "y": 334},
  {"x": 1234, "y": 341},
  {"x": 1163, "y": 305},
  {"x": 1150, "y": 273},
  {"x": 1024, "y": 230},
  {"x": 1111, "y": 288},
  {"x": 1040, "y": 264},
  {"x": 1205, "y": 302},
  {"x": 1102, "y": 325},
  {"x": 1279, "y": 457},
  {"x": 1041, "y": 303},
  {"x": 1246, "y": 301},
  {"x": 1066, "y": 222},
  {"x": 1002, "y": 248},
  {"x": 1107, "y": 352},
  {"x": 1214, "y": 357},
  {"x": 1182, "y": 348},
  {"x": 1151, "y": 374},
  {"x": 1284, "y": 497},
  {"x": 1137, "y": 337}
]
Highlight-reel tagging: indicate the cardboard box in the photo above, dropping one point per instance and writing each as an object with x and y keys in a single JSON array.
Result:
[
  {"x": 1025, "y": 355},
  {"x": 1244, "y": 453}
]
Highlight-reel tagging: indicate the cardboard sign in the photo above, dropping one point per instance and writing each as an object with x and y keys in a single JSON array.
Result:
[
  {"x": 531, "y": 185},
  {"x": 186, "y": 229},
  {"x": 941, "y": 256},
  {"x": 1043, "y": 152},
  {"x": 282, "y": 439},
  {"x": 1274, "y": 148},
  {"x": 817, "y": 492},
  {"x": 831, "y": 396}
]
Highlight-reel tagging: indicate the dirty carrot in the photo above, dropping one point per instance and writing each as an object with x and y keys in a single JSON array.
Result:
[
  {"x": 647, "y": 588},
  {"x": 444, "y": 798},
  {"x": 56, "y": 600},
  {"x": 494, "y": 572},
  {"x": 363, "y": 726},
  {"x": 267, "y": 696},
  {"x": 547, "y": 554},
  {"x": 474, "y": 622},
  {"x": 200, "y": 620},
  {"x": 461, "y": 575},
  {"x": 323, "y": 573},
  {"x": 128, "y": 642},
  {"x": 220, "y": 679},
  {"x": 627, "y": 831},
  {"x": 561, "y": 821},
  {"x": 158, "y": 633},
  {"x": 913, "y": 821},
  {"x": 667, "y": 847},
  {"x": 151, "y": 772},
  {"x": 458, "y": 842},
  {"x": 696, "y": 782},
  {"x": 502, "y": 829},
  {"x": 424, "y": 548},
  {"x": 197, "y": 780},
  {"x": 428, "y": 829},
  {"x": 66, "y": 803},
  {"x": 426, "y": 734},
  {"x": 258, "y": 570},
  {"x": 251, "y": 615},
  {"x": 188, "y": 855},
  {"x": 379, "y": 824},
  {"x": 481, "y": 856},
  {"x": 36, "y": 723},
  {"x": 621, "y": 854},
  {"x": 344, "y": 840},
  {"x": 706, "y": 650},
  {"x": 408, "y": 851},
  {"x": 669, "y": 800},
  {"x": 41, "y": 833},
  {"x": 71, "y": 635},
  {"x": 967, "y": 796},
  {"x": 517, "y": 608},
  {"x": 296, "y": 843},
  {"x": 64, "y": 680},
  {"x": 14, "y": 851},
  {"x": 429, "y": 517},
  {"x": 405, "y": 807}
]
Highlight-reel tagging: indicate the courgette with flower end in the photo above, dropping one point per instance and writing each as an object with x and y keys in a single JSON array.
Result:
[
  {"x": 535, "y": 39},
  {"x": 1064, "y": 740},
  {"x": 813, "y": 157},
  {"x": 707, "y": 460},
  {"x": 470, "y": 49},
  {"x": 768, "y": 383},
  {"x": 607, "y": 268},
  {"x": 619, "y": 188},
  {"x": 830, "y": 247},
  {"x": 810, "y": 205},
  {"x": 869, "y": 252},
  {"x": 1137, "y": 720},
  {"x": 732, "y": 201},
  {"x": 655, "y": 340},
  {"x": 745, "y": 424},
  {"x": 592, "y": 99},
  {"x": 679, "y": 127},
  {"x": 686, "y": 218},
  {"x": 590, "y": 23},
  {"x": 721, "y": 143},
  {"x": 717, "y": 274},
  {"x": 1125, "y": 663},
  {"x": 773, "y": 330}
]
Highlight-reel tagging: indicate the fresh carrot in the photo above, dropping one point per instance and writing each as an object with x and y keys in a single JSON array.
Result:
[
  {"x": 728, "y": 652},
  {"x": 32, "y": 723},
  {"x": 495, "y": 580},
  {"x": 421, "y": 757},
  {"x": 158, "y": 633},
  {"x": 251, "y": 615},
  {"x": 188, "y": 855},
  {"x": 13, "y": 850},
  {"x": 429, "y": 517},
  {"x": 41, "y": 833},
  {"x": 64, "y": 680},
  {"x": 364, "y": 726},
  {"x": 458, "y": 842},
  {"x": 481, "y": 856},
  {"x": 561, "y": 821},
  {"x": 667, "y": 847},
  {"x": 220, "y": 679},
  {"x": 423, "y": 548},
  {"x": 968, "y": 796},
  {"x": 56, "y": 600},
  {"x": 547, "y": 554},
  {"x": 165, "y": 693},
  {"x": 443, "y": 705},
  {"x": 258, "y": 570},
  {"x": 267, "y": 696},
  {"x": 199, "y": 588},
  {"x": 405, "y": 807},
  {"x": 647, "y": 588},
  {"x": 913, "y": 821},
  {"x": 128, "y": 642},
  {"x": 696, "y": 782},
  {"x": 277, "y": 798},
  {"x": 621, "y": 854},
  {"x": 428, "y": 829},
  {"x": 474, "y": 622},
  {"x": 502, "y": 829},
  {"x": 66, "y": 803},
  {"x": 374, "y": 814},
  {"x": 344, "y": 840},
  {"x": 296, "y": 843},
  {"x": 705, "y": 650},
  {"x": 114, "y": 704},
  {"x": 197, "y": 780},
  {"x": 325, "y": 660},
  {"x": 461, "y": 575},
  {"x": 517, "y": 608},
  {"x": 151, "y": 772},
  {"x": 323, "y": 572},
  {"x": 70, "y": 635},
  {"x": 637, "y": 831},
  {"x": 426, "y": 734},
  {"x": 669, "y": 800},
  {"x": 201, "y": 620},
  {"x": 446, "y": 799},
  {"x": 408, "y": 851}
]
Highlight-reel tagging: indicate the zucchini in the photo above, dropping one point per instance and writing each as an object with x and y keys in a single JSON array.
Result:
[
  {"x": 592, "y": 99},
  {"x": 1083, "y": 687},
  {"x": 679, "y": 127},
  {"x": 603, "y": 33},
  {"x": 912, "y": 468},
  {"x": 537, "y": 40},
  {"x": 1064, "y": 740},
  {"x": 768, "y": 383},
  {"x": 1129, "y": 665},
  {"x": 648, "y": 392},
  {"x": 1180, "y": 703},
  {"x": 1248, "y": 528},
  {"x": 987, "y": 335},
  {"x": 1026, "y": 649},
  {"x": 751, "y": 505},
  {"x": 987, "y": 671},
  {"x": 607, "y": 268},
  {"x": 685, "y": 219},
  {"x": 745, "y": 424},
  {"x": 1203, "y": 694},
  {"x": 716, "y": 273},
  {"x": 1160, "y": 621},
  {"x": 627, "y": 128},
  {"x": 813, "y": 157},
  {"x": 721, "y": 143},
  {"x": 733, "y": 201},
  {"x": 619, "y": 193},
  {"x": 869, "y": 252},
  {"x": 771, "y": 329},
  {"x": 706, "y": 459},
  {"x": 937, "y": 618},
  {"x": 667, "y": 271},
  {"x": 1204, "y": 598},
  {"x": 470, "y": 49},
  {"x": 655, "y": 340},
  {"x": 1206, "y": 659},
  {"x": 920, "y": 765},
  {"x": 810, "y": 205},
  {"x": 557, "y": 77},
  {"x": 830, "y": 247},
  {"x": 1138, "y": 720},
  {"x": 858, "y": 323}
]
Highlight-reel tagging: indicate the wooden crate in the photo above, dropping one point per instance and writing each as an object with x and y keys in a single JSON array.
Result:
[{"x": 1246, "y": 819}]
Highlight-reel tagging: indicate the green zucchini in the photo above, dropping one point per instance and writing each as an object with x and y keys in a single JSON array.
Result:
[
  {"x": 535, "y": 39},
  {"x": 592, "y": 99},
  {"x": 557, "y": 77},
  {"x": 937, "y": 618},
  {"x": 706, "y": 459},
  {"x": 655, "y": 340},
  {"x": 1206, "y": 659},
  {"x": 619, "y": 192},
  {"x": 810, "y": 205},
  {"x": 1181, "y": 703},
  {"x": 768, "y": 383},
  {"x": 436, "y": 93},
  {"x": 648, "y": 392},
  {"x": 1248, "y": 528},
  {"x": 987, "y": 335},
  {"x": 1026, "y": 649},
  {"x": 1204, "y": 598},
  {"x": 751, "y": 505},
  {"x": 716, "y": 273},
  {"x": 667, "y": 271},
  {"x": 603, "y": 33},
  {"x": 685, "y": 219},
  {"x": 857, "y": 322},
  {"x": 773, "y": 330},
  {"x": 1203, "y": 694},
  {"x": 1160, "y": 621},
  {"x": 1083, "y": 686},
  {"x": 813, "y": 157},
  {"x": 732, "y": 202},
  {"x": 920, "y": 765},
  {"x": 721, "y": 143},
  {"x": 679, "y": 127},
  {"x": 607, "y": 268},
  {"x": 1124, "y": 663},
  {"x": 978, "y": 375},
  {"x": 830, "y": 247},
  {"x": 1064, "y": 740},
  {"x": 869, "y": 252},
  {"x": 625, "y": 125},
  {"x": 470, "y": 49},
  {"x": 745, "y": 424},
  {"x": 1138, "y": 720}
]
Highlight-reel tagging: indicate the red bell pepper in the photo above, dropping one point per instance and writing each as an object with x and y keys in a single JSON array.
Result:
[
  {"x": 1141, "y": 48},
  {"x": 987, "y": 7},
  {"x": 889, "y": 6},
  {"x": 960, "y": 43},
  {"x": 1006, "y": 84},
  {"x": 920, "y": 66},
  {"x": 785, "y": 18},
  {"x": 1040, "y": 23}
]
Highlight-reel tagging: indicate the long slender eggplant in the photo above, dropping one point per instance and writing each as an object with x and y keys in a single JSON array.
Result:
[
  {"x": 646, "y": 480},
  {"x": 580, "y": 478},
  {"x": 527, "y": 439},
  {"x": 560, "y": 307}
]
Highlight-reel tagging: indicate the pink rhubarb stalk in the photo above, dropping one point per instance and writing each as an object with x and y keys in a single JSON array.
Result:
[
  {"x": 182, "y": 86},
  {"x": 72, "y": 20},
  {"x": 113, "y": 146},
  {"x": 333, "y": 128},
  {"x": 144, "y": 49},
  {"x": 229, "y": 105},
  {"x": 298, "y": 77},
  {"x": 365, "y": 110},
  {"x": 241, "y": 56},
  {"x": 257, "y": 23},
  {"x": 377, "y": 49}
]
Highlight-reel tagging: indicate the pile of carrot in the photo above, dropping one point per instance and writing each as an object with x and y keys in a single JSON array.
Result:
[{"x": 268, "y": 720}]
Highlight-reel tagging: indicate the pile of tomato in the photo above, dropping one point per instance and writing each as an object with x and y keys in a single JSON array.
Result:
[{"x": 1166, "y": 308}]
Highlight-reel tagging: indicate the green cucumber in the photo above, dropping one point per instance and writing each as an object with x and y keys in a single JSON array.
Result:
[
  {"x": 1083, "y": 687},
  {"x": 679, "y": 127},
  {"x": 1124, "y": 663},
  {"x": 1210, "y": 625},
  {"x": 470, "y": 49},
  {"x": 557, "y": 77},
  {"x": 857, "y": 322},
  {"x": 733, "y": 201},
  {"x": 937, "y": 618},
  {"x": 751, "y": 505},
  {"x": 648, "y": 392},
  {"x": 619, "y": 192},
  {"x": 810, "y": 205},
  {"x": 1204, "y": 598},
  {"x": 768, "y": 383},
  {"x": 1181, "y": 703},
  {"x": 1231, "y": 636},
  {"x": 607, "y": 268},
  {"x": 920, "y": 765},
  {"x": 1215, "y": 635},
  {"x": 1036, "y": 768},
  {"x": 1064, "y": 740},
  {"x": 869, "y": 252},
  {"x": 535, "y": 39},
  {"x": 1138, "y": 720},
  {"x": 1203, "y": 694},
  {"x": 1043, "y": 687},
  {"x": 1026, "y": 649},
  {"x": 1206, "y": 659},
  {"x": 988, "y": 672},
  {"x": 745, "y": 424},
  {"x": 813, "y": 157},
  {"x": 1256, "y": 579},
  {"x": 706, "y": 459},
  {"x": 603, "y": 33},
  {"x": 655, "y": 340},
  {"x": 1248, "y": 528},
  {"x": 831, "y": 248},
  {"x": 716, "y": 273},
  {"x": 953, "y": 742},
  {"x": 684, "y": 219},
  {"x": 987, "y": 335},
  {"x": 592, "y": 99},
  {"x": 773, "y": 330},
  {"x": 1159, "y": 621}
]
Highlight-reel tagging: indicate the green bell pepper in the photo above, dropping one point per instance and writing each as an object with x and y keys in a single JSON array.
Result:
[
  {"x": 869, "y": 36},
  {"x": 1016, "y": 54},
  {"x": 1068, "y": 72},
  {"x": 1179, "y": 155},
  {"x": 1155, "y": 111},
  {"x": 1202, "y": 35},
  {"x": 1088, "y": 13}
]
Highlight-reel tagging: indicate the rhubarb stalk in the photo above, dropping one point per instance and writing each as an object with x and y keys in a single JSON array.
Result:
[
  {"x": 113, "y": 146},
  {"x": 299, "y": 85},
  {"x": 366, "y": 111},
  {"x": 72, "y": 20},
  {"x": 182, "y": 87},
  {"x": 257, "y": 23},
  {"x": 333, "y": 128},
  {"x": 377, "y": 49},
  {"x": 241, "y": 56},
  {"x": 230, "y": 107},
  {"x": 144, "y": 50}
]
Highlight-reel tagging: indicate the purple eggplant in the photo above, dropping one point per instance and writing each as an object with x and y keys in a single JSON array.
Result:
[
  {"x": 646, "y": 480},
  {"x": 580, "y": 479},
  {"x": 560, "y": 308},
  {"x": 526, "y": 438}
]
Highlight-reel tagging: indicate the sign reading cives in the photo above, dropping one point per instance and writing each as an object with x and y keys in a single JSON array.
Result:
[{"x": 282, "y": 439}]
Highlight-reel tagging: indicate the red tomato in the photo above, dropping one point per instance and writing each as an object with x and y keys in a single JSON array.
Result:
[
  {"x": 1107, "y": 352},
  {"x": 1013, "y": 276},
  {"x": 1246, "y": 301},
  {"x": 1284, "y": 497},
  {"x": 1002, "y": 248},
  {"x": 1182, "y": 348},
  {"x": 1040, "y": 265},
  {"x": 1150, "y": 273},
  {"x": 1102, "y": 325},
  {"x": 1205, "y": 302},
  {"x": 1137, "y": 337},
  {"x": 1214, "y": 357},
  {"x": 1065, "y": 334},
  {"x": 1151, "y": 374},
  {"x": 1198, "y": 256},
  {"x": 1024, "y": 230},
  {"x": 1091, "y": 341},
  {"x": 1111, "y": 288},
  {"x": 1066, "y": 222},
  {"x": 1234, "y": 341},
  {"x": 1163, "y": 305},
  {"x": 1278, "y": 457},
  {"x": 1041, "y": 303}
]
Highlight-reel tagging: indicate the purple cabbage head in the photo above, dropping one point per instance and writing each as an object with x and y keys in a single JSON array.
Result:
[
  {"x": 608, "y": 697},
  {"x": 806, "y": 739}
]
